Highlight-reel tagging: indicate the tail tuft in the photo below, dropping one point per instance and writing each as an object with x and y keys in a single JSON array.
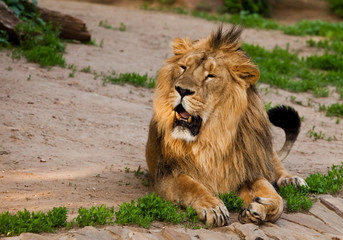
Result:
[
  {"x": 288, "y": 119},
  {"x": 285, "y": 117}
]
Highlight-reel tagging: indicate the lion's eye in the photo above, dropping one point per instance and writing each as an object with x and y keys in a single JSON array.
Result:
[
  {"x": 183, "y": 67},
  {"x": 211, "y": 76}
]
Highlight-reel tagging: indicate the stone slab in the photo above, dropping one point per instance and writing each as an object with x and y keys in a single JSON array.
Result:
[
  {"x": 333, "y": 203},
  {"x": 299, "y": 232},
  {"x": 328, "y": 216},
  {"x": 310, "y": 222}
]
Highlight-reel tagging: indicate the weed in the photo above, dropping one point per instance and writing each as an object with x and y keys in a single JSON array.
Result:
[
  {"x": 95, "y": 216},
  {"x": 132, "y": 78},
  {"x": 321, "y": 107},
  {"x": 338, "y": 121},
  {"x": 297, "y": 198},
  {"x": 86, "y": 69},
  {"x": 101, "y": 44},
  {"x": 148, "y": 209},
  {"x": 127, "y": 170},
  {"x": 321, "y": 92},
  {"x": 122, "y": 27},
  {"x": 39, "y": 41},
  {"x": 138, "y": 172},
  {"x": 316, "y": 135},
  {"x": 326, "y": 183},
  {"x": 335, "y": 110},
  {"x": 336, "y": 6},
  {"x": 73, "y": 69},
  {"x": 32, "y": 222},
  {"x": 41, "y": 44},
  {"x": 28, "y": 78},
  {"x": 232, "y": 202},
  {"x": 4, "y": 40},
  {"x": 106, "y": 25}
]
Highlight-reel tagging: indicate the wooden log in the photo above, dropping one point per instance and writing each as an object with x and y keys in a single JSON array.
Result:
[
  {"x": 8, "y": 21},
  {"x": 70, "y": 26}
]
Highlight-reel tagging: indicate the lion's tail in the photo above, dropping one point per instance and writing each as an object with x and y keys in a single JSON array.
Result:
[{"x": 288, "y": 119}]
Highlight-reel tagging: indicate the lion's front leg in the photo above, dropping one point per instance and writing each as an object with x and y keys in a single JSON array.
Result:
[
  {"x": 262, "y": 203},
  {"x": 283, "y": 178},
  {"x": 185, "y": 190}
]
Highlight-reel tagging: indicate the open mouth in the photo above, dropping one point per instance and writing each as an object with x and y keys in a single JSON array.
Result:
[{"x": 184, "y": 119}]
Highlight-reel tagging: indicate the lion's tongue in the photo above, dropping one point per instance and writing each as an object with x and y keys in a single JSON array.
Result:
[{"x": 185, "y": 114}]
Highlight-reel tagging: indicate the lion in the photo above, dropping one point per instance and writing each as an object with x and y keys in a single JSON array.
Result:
[{"x": 210, "y": 132}]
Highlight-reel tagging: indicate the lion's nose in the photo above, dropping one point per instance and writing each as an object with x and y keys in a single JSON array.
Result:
[{"x": 183, "y": 92}]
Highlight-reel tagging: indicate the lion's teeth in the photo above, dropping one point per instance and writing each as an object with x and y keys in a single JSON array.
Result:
[
  {"x": 178, "y": 116},
  {"x": 189, "y": 119}
]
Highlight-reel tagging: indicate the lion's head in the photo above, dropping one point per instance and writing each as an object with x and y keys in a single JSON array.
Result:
[{"x": 202, "y": 80}]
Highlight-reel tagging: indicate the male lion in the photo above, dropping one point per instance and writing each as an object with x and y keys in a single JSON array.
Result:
[{"x": 210, "y": 132}]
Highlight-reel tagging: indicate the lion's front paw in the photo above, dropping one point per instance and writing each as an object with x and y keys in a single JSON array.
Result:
[
  {"x": 262, "y": 209},
  {"x": 293, "y": 180},
  {"x": 213, "y": 212}
]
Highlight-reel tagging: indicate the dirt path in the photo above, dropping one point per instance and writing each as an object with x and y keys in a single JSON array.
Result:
[{"x": 67, "y": 141}]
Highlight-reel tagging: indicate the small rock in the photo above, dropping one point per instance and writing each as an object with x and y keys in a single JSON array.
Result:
[{"x": 170, "y": 234}]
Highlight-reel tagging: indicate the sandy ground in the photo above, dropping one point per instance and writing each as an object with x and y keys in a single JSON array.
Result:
[{"x": 66, "y": 141}]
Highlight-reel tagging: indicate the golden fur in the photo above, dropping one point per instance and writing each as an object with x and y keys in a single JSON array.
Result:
[{"x": 210, "y": 83}]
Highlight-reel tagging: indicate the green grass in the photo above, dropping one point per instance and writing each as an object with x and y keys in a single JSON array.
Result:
[
  {"x": 39, "y": 41},
  {"x": 32, "y": 222},
  {"x": 41, "y": 44},
  {"x": 301, "y": 199},
  {"x": 335, "y": 109},
  {"x": 106, "y": 25},
  {"x": 131, "y": 78},
  {"x": 279, "y": 67},
  {"x": 94, "y": 216},
  {"x": 232, "y": 202},
  {"x": 297, "y": 199},
  {"x": 152, "y": 208},
  {"x": 326, "y": 183},
  {"x": 336, "y": 6}
]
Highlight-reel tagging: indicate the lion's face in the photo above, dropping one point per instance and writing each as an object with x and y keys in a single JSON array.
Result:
[
  {"x": 205, "y": 80},
  {"x": 199, "y": 82}
]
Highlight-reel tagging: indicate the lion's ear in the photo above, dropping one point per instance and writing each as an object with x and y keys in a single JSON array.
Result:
[
  {"x": 248, "y": 72},
  {"x": 180, "y": 46}
]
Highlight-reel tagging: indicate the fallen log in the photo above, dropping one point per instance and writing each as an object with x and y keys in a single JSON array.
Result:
[
  {"x": 70, "y": 26},
  {"x": 8, "y": 21}
]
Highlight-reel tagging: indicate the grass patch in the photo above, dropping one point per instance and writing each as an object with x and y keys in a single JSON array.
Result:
[
  {"x": 335, "y": 110},
  {"x": 326, "y": 183},
  {"x": 301, "y": 199},
  {"x": 106, "y": 25},
  {"x": 39, "y": 41},
  {"x": 232, "y": 202},
  {"x": 32, "y": 222},
  {"x": 279, "y": 67},
  {"x": 93, "y": 216},
  {"x": 152, "y": 208},
  {"x": 131, "y": 78}
]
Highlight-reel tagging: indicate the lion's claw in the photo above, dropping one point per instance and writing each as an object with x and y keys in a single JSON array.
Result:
[
  {"x": 295, "y": 180},
  {"x": 215, "y": 216}
]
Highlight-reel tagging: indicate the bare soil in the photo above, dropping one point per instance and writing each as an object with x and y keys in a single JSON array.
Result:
[{"x": 66, "y": 141}]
